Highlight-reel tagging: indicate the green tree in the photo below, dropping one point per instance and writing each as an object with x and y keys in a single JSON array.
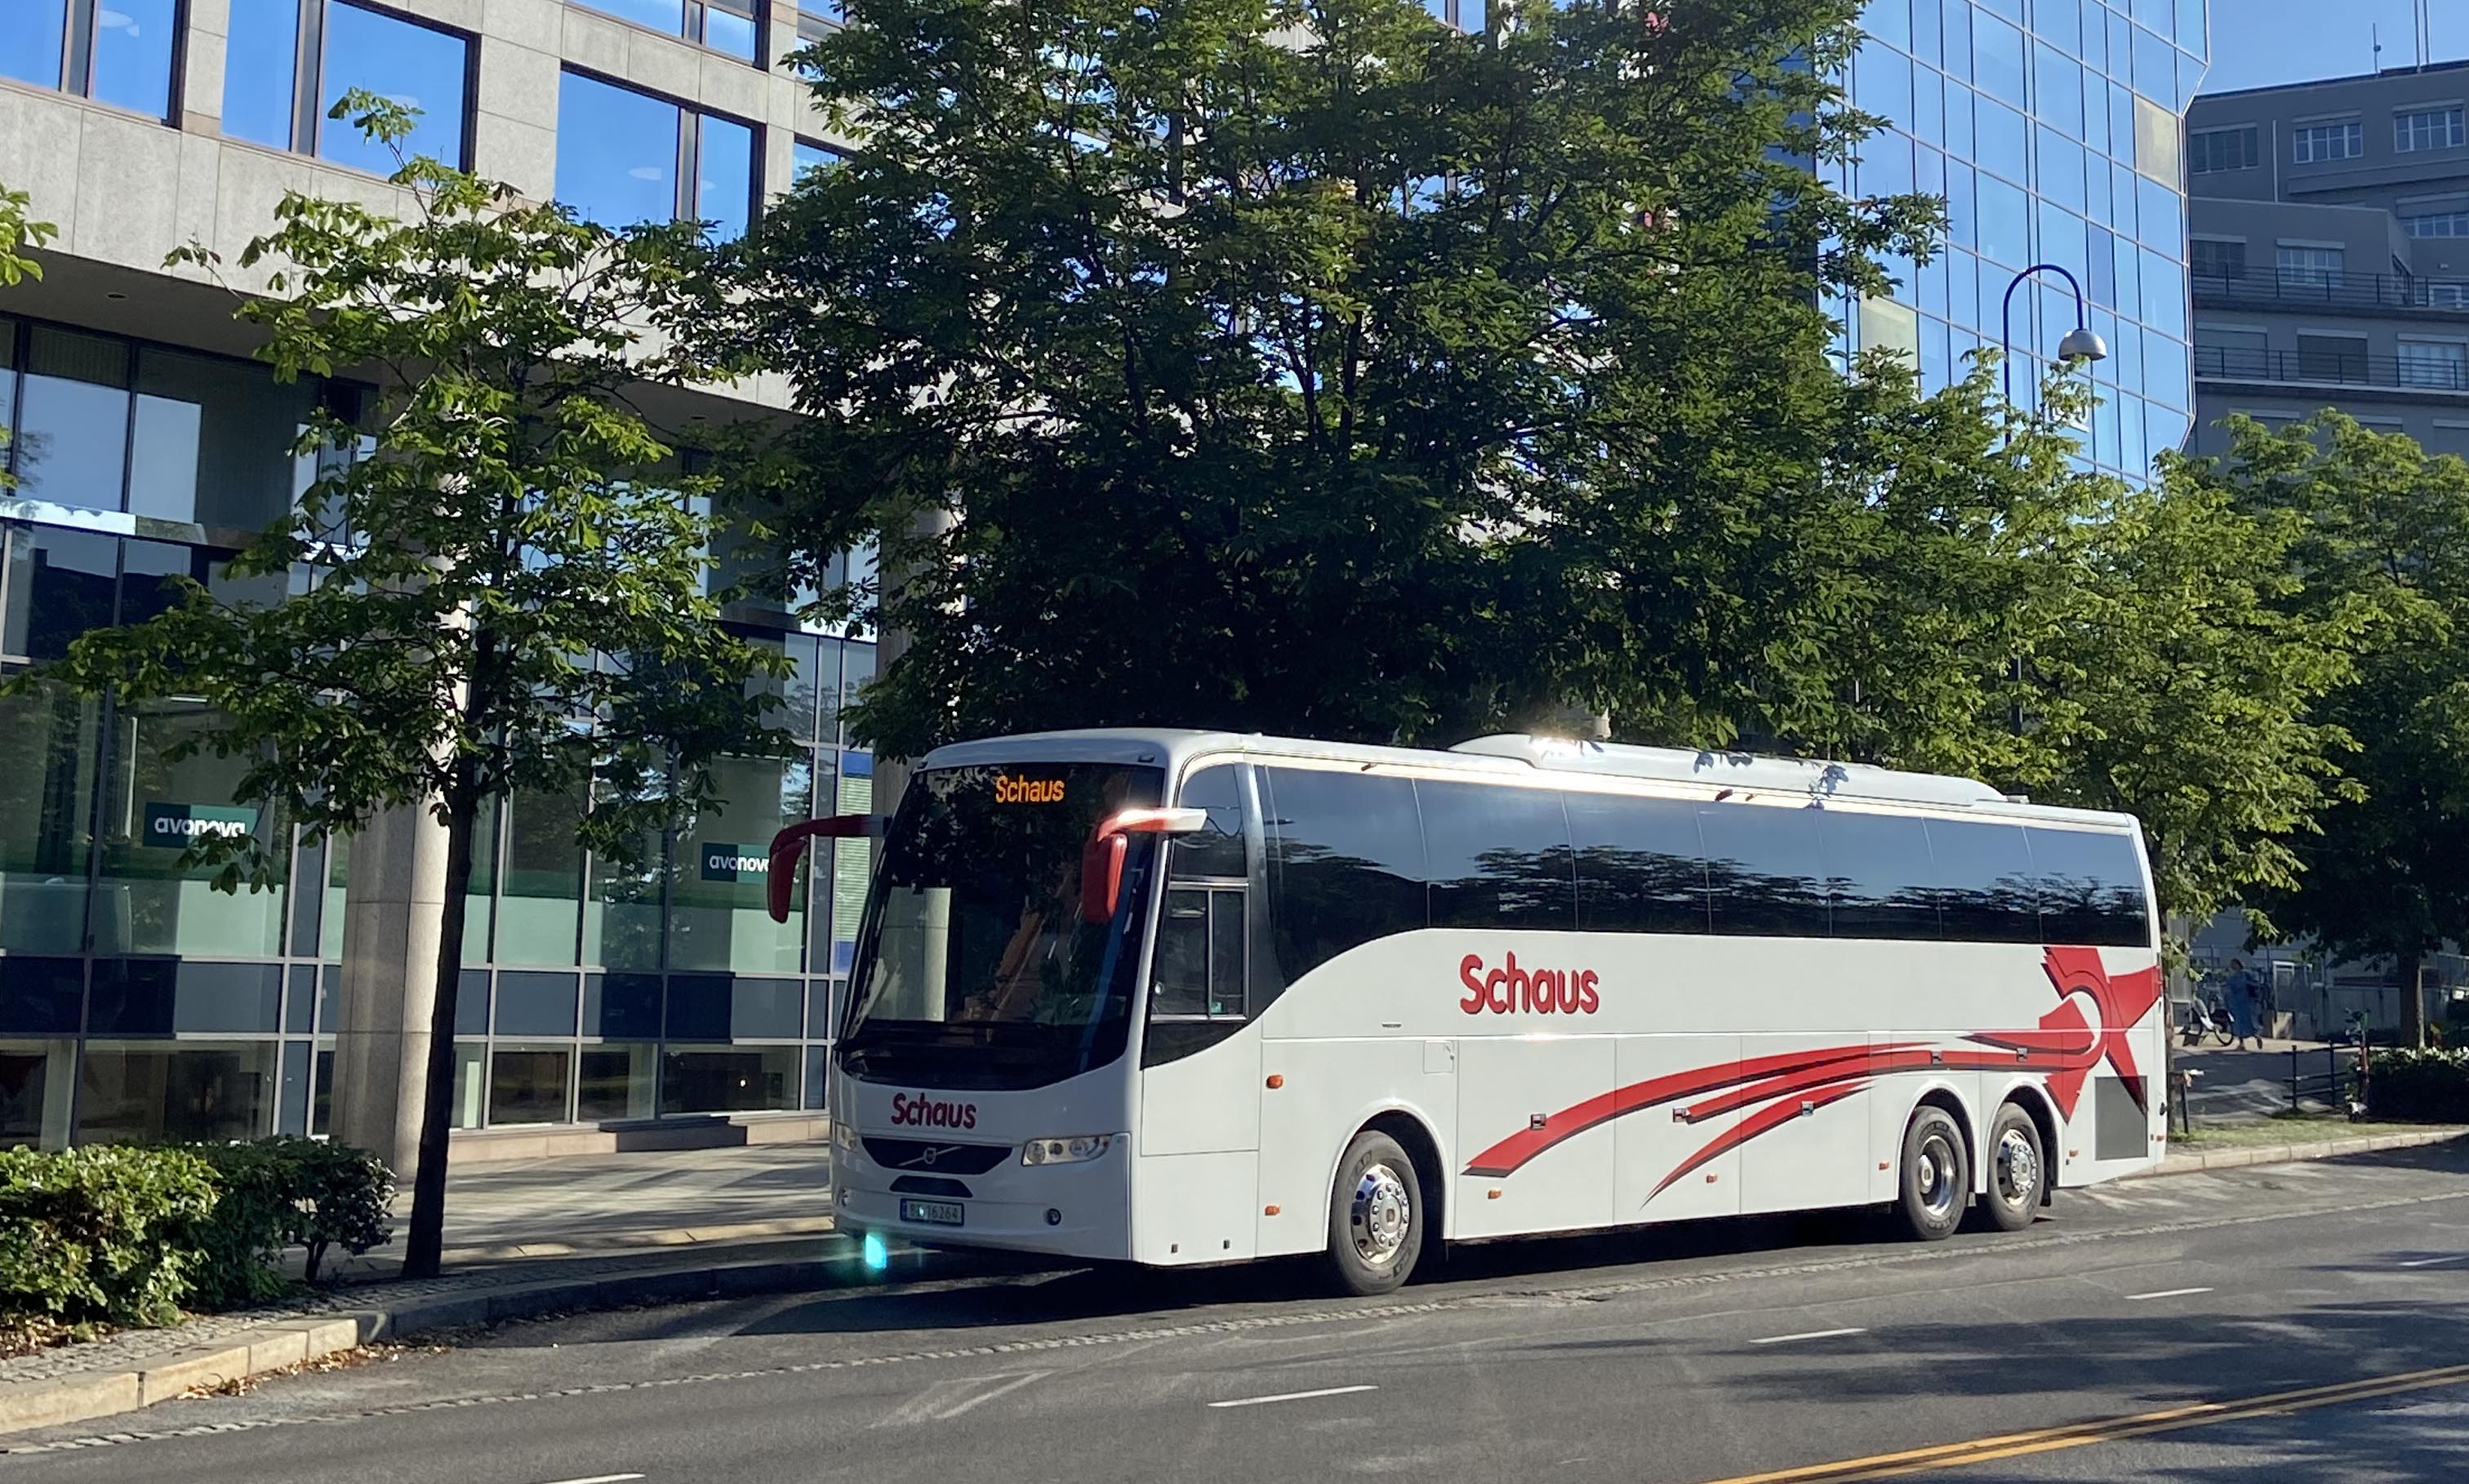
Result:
[
  {"x": 19, "y": 238},
  {"x": 506, "y": 588},
  {"x": 2384, "y": 532},
  {"x": 1313, "y": 367}
]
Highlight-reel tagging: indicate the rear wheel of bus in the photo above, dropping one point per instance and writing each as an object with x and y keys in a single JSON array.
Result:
[
  {"x": 1936, "y": 1184},
  {"x": 1376, "y": 1216}
]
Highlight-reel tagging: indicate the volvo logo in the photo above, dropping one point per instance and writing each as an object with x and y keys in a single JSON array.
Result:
[{"x": 926, "y": 1156}]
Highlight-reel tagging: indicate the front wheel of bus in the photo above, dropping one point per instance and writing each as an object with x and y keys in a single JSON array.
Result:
[
  {"x": 1936, "y": 1182},
  {"x": 1375, "y": 1216}
]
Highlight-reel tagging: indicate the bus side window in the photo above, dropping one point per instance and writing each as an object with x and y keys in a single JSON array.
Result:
[
  {"x": 2090, "y": 888},
  {"x": 1761, "y": 870},
  {"x": 1345, "y": 863},
  {"x": 1499, "y": 855},
  {"x": 1983, "y": 882},
  {"x": 1200, "y": 963},
  {"x": 1641, "y": 867},
  {"x": 1877, "y": 869}
]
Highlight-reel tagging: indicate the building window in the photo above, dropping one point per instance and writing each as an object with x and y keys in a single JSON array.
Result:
[
  {"x": 118, "y": 53},
  {"x": 2331, "y": 358},
  {"x": 2212, "y": 258},
  {"x": 730, "y": 26},
  {"x": 805, "y": 157},
  {"x": 2428, "y": 129},
  {"x": 2441, "y": 364},
  {"x": 2318, "y": 267},
  {"x": 2315, "y": 144},
  {"x": 2160, "y": 145},
  {"x": 625, "y": 157},
  {"x": 290, "y": 60},
  {"x": 2447, "y": 223},
  {"x": 2212, "y": 151}
]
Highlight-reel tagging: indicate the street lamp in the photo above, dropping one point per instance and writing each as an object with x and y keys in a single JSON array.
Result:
[{"x": 2080, "y": 343}]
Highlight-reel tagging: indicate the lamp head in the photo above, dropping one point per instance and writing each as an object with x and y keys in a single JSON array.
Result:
[{"x": 2081, "y": 344}]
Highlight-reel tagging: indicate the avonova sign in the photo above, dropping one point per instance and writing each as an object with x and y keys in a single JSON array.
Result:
[
  {"x": 730, "y": 862},
  {"x": 175, "y": 826}
]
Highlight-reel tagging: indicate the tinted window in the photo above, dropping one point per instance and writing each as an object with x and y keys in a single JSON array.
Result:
[
  {"x": 1640, "y": 868},
  {"x": 261, "y": 52},
  {"x": 1761, "y": 870},
  {"x": 616, "y": 153},
  {"x": 132, "y": 55},
  {"x": 1345, "y": 863},
  {"x": 2090, "y": 888},
  {"x": 1983, "y": 882},
  {"x": 723, "y": 175},
  {"x": 414, "y": 65},
  {"x": 1878, "y": 870},
  {"x": 1499, "y": 856},
  {"x": 1218, "y": 849}
]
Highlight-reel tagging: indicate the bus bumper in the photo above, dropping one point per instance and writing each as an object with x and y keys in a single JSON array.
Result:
[{"x": 1075, "y": 1210}]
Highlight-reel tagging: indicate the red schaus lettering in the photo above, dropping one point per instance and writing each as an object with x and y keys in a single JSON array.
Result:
[
  {"x": 932, "y": 1112},
  {"x": 1510, "y": 988}
]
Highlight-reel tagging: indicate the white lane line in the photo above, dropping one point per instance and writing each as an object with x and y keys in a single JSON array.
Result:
[
  {"x": 984, "y": 1397},
  {"x": 2136, "y": 1298},
  {"x": 1294, "y": 1395},
  {"x": 601, "y": 1478},
  {"x": 1785, "y": 1339},
  {"x": 2437, "y": 1262}
]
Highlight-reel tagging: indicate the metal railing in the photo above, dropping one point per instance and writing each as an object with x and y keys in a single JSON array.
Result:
[
  {"x": 2335, "y": 368},
  {"x": 2317, "y": 288}
]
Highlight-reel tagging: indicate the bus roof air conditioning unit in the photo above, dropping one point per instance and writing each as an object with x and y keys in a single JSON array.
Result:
[{"x": 1738, "y": 771}]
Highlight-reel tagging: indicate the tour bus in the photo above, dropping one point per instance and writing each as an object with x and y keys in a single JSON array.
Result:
[{"x": 1185, "y": 997}]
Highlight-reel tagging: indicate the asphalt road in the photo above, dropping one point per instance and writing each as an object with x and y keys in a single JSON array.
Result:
[{"x": 2305, "y": 1322}]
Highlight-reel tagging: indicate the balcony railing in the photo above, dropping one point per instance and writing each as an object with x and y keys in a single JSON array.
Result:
[
  {"x": 2222, "y": 363},
  {"x": 2317, "y": 289}
]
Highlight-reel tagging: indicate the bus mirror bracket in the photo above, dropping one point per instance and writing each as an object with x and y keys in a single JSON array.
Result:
[
  {"x": 789, "y": 847},
  {"x": 1101, "y": 860}
]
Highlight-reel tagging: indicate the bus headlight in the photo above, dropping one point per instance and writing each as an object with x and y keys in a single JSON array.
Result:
[
  {"x": 1070, "y": 1150},
  {"x": 843, "y": 1137}
]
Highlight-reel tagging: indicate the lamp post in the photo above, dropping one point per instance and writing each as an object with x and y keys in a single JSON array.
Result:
[{"x": 2080, "y": 343}]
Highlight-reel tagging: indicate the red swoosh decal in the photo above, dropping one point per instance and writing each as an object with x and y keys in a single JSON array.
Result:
[{"x": 1765, "y": 1120}]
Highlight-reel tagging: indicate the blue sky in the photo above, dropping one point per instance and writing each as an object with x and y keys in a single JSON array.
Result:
[{"x": 2256, "y": 42}]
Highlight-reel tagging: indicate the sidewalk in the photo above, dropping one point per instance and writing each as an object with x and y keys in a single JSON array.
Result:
[{"x": 2250, "y": 1083}]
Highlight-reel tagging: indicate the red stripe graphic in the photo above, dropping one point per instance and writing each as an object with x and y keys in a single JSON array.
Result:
[{"x": 2064, "y": 1048}]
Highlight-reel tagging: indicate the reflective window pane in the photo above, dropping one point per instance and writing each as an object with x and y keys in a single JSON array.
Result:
[
  {"x": 527, "y": 1083},
  {"x": 541, "y": 910},
  {"x": 616, "y": 153},
  {"x": 416, "y": 66},
  {"x": 739, "y": 1080},
  {"x": 667, "y": 15},
  {"x": 617, "y": 1082},
  {"x": 132, "y": 55},
  {"x": 261, "y": 55},
  {"x": 724, "y": 175},
  {"x": 150, "y": 1092},
  {"x": 214, "y": 441},
  {"x": 60, "y": 586},
  {"x": 1499, "y": 857},
  {"x": 148, "y": 901},
  {"x": 72, "y": 432},
  {"x": 46, "y": 799},
  {"x": 34, "y": 35},
  {"x": 40, "y": 996}
]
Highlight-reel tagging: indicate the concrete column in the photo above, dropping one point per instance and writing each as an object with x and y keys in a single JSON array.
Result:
[
  {"x": 393, "y": 913},
  {"x": 202, "y": 82}
]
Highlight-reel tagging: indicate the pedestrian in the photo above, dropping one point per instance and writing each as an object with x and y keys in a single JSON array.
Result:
[{"x": 2242, "y": 992}]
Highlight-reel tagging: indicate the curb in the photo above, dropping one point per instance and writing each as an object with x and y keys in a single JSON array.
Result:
[
  {"x": 2293, "y": 1153},
  {"x": 25, "y": 1405}
]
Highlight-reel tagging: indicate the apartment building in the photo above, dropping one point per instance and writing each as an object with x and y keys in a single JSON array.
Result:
[{"x": 2330, "y": 252}]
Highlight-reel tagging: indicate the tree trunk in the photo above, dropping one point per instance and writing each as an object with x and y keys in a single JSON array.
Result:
[
  {"x": 2412, "y": 1000},
  {"x": 424, "y": 1247}
]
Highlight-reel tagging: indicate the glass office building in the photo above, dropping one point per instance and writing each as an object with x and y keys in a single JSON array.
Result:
[
  {"x": 138, "y": 1003},
  {"x": 2053, "y": 129}
]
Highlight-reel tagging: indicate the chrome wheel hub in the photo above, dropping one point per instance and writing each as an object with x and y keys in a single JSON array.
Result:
[
  {"x": 1380, "y": 1215},
  {"x": 2019, "y": 1169},
  {"x": 1936, "y": 1175}
]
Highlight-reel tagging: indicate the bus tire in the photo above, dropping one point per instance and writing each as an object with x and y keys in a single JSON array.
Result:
[
  {"x": 2019, "y": 1169},
  {"x": 1935, "y": 1182},
  {"x": 1375, "y": 1216}
]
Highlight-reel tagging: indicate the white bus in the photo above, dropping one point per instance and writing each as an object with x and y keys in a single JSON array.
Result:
[{"x": 1190, "y": 997}]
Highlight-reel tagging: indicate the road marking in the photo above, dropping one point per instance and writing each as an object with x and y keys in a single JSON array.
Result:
[
  {"x": 602, "y": 1478},
  {"x": 1785, "y": 1339},
  {"x": 1294, "y": 1396},
  {"x": 2136, "y": 1298},
  {"x": 2046, "y": 1440},
  {"x": 984, "y": 1397},
  {"x": 2436, "y": 1261}
]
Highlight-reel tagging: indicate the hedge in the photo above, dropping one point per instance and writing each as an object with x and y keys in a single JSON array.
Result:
[
  {"x": 130, "y": 1234},
  {"x": 2429, "y": 1085}
]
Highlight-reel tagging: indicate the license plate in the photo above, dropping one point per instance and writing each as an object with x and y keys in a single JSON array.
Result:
[{"x": 933, "y": 1213}]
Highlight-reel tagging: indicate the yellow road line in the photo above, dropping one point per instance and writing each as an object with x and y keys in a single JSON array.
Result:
[{"x": 2109, "y": 1430}]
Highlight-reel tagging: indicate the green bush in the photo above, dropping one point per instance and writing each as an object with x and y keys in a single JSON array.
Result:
[
  {"x": 130, "y": 1234},
  {"x": 101, "y": 1232},
  {"x": 288, "y": 1192},
  {"x": 2421, "y": 1087}
]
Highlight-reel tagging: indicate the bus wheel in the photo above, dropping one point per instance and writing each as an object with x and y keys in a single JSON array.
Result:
[
  {"x": 1936, "y": 1177},
  {"x": 2019, "y": 1173},
  {"x": 1375, "y": 1216}
]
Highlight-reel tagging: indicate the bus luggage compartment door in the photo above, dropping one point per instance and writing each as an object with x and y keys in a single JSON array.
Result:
[{"x": 1535, "y": 1156}]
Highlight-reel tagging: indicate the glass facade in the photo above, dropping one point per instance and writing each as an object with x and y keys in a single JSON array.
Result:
[
  {"x": 119, "y": 53},
  {"x": 2053, "y": 130},
  {"x": 138, "y": 1003},
  {"x": 732, "y": 26}
]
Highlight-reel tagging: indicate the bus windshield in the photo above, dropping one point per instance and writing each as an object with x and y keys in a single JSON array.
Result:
[{"x": 975, "y": 967}]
